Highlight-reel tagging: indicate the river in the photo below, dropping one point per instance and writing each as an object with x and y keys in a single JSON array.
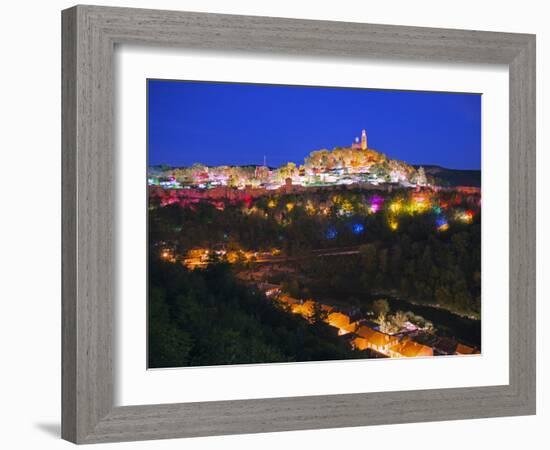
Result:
[
  {"x": 464, "y": 329},
  {"x": 446, "y": 323}
]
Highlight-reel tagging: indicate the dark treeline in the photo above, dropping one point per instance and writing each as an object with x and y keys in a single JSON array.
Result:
[
  {"x": 206, "y": 317},
  {"x": 425, "y": 268}
]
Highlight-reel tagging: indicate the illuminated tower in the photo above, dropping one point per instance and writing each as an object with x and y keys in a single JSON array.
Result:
[{"x": 363, "y": 140}]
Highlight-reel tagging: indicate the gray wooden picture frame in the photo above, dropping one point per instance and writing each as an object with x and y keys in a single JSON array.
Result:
[{"x": 90, "y": 34}]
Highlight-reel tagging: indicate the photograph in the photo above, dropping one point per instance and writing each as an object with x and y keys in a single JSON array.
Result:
[{"x": 290, "y": 224}]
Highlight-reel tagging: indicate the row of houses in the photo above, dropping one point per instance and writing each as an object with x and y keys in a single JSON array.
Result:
[
  {"x": 392, "y": 346},
  {"x": 362, "y": 335}
]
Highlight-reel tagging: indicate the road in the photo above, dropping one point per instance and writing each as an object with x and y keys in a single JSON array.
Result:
[{"x": 269, "y": 259}]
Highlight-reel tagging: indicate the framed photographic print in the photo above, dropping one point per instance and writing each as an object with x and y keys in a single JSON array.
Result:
[{"x": 278, "y": 224}]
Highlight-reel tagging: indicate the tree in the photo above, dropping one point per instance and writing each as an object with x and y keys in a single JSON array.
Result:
[
  {"x": 442, "y": 295},
  {"x": 319, "y": 314},
  {"x": 381, "y": 306},
  {"x": 420, "y": 178},
  {"x": 368, "y": 255},
  {"x": 399, "y": 319},
  {"x": 287, "y": 171},
  {"x": 383, "y": 260}
]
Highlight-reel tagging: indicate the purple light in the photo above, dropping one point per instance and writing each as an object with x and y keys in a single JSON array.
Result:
[{"x": 376, "y": 203}]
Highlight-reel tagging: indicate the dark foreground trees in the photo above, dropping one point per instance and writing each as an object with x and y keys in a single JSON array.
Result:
[{"x": 206, "y": 317}]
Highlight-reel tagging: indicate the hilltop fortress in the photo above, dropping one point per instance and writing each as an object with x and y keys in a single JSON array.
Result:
[{"x": 356, "y": 164}]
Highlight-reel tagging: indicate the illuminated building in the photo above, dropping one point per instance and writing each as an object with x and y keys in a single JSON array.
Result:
[
  {"x": 408, "y": 348},
  {"x": 342, "y": 322},
  {"x": 462, "y": 349},
  {"x": 369, "y": 338}
]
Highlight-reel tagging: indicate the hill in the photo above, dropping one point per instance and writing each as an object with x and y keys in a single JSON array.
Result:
[{"x": 452, "y": 177}]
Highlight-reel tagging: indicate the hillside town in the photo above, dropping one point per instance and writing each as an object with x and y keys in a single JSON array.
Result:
[{"x": 354, "y": 165}]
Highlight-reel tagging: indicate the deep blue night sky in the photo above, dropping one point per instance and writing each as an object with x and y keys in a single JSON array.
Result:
[{"x": 237, "y": 124}]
